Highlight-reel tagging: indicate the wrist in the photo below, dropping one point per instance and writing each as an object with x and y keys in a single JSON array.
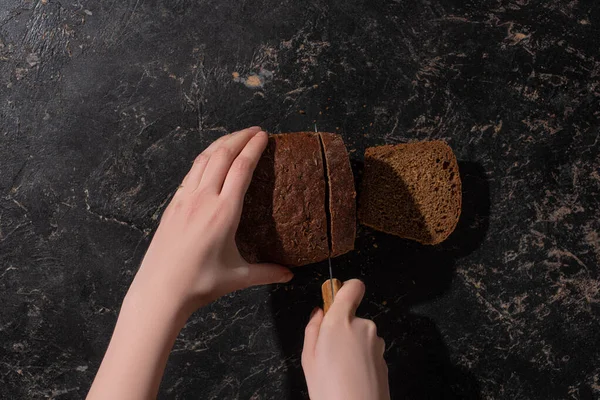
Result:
[
  {"x": 146, "y": 330},
  {"x": 156, "y": 301}
]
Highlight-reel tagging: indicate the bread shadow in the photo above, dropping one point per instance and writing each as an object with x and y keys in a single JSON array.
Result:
[
  {"x": 399, "y": 275},
  {"x": 391, "y": 200},
  {"x": 260, "y": 222}
]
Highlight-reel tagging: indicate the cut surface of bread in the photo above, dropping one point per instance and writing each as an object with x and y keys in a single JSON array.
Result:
[
  {"x": 341, "y": 196},
  {"x": 411, "y": 190},
  {"x": 284, "y": 219}
]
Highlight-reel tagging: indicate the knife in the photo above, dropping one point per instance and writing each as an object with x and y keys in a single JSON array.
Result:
[
  {"x": 328, "y": 290},
  {"x": 330, "y": 287}
]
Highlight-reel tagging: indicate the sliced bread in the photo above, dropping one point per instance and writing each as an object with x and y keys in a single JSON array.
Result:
[
  {"x": 341, "y": 194},
  {"x": 284, "y": 219},
  {"x": 411, "y": 190}
]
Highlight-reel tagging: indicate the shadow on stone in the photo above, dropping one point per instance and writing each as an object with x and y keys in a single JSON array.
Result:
[{"x": 399, "y": 274}]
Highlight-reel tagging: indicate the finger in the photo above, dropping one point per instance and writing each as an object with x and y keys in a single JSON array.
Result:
[
  {"x": 311, "y": 334},
  {"x": 221, "y": 159},
  {"x": 241, "y": 171},
  {"x": 266, "y": 273},
  {"x": 194, "y": 176},
  {"x": 379, "y": 346},
  {"x": 348, "y": 298}
]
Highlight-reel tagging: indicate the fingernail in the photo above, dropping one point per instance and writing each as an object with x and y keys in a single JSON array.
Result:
[
  {"x": 255, "y": 128},
  {"x": 314, "y": 311},
  {"x": 286, "y": 278}
]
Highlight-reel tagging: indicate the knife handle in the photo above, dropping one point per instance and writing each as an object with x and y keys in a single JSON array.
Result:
[{"x": 326, "y": 292}]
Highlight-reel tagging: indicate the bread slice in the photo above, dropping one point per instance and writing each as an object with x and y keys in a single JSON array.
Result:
[
  {"x": 411, "y": 190},
  {"x": 284, "y": 219},
  {"x": 341, "y": 194}
]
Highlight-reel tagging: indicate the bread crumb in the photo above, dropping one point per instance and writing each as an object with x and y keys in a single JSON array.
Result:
[
  {"x": 235, "y": 75},
  {"x": 301, "y": 111},
  {"x": 253, "y": 81},
  {"x": 384, "y": 302},
  {"x": 375, "y": 245}
]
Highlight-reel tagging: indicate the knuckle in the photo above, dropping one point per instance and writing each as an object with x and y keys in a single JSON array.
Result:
[
  {"x": 219, "y": 142},
  {"x": 188, "y": 207},
  {"x": 173, "y": 207},
  {"x": 223, "y": 153},
  {"x": 222, "y": 139},
  {"x": 201, "y": 158},
  {"x": 242, "y": 164},
  {"x": 370, "y": 327},
  {"x": 178, "y": 206}
]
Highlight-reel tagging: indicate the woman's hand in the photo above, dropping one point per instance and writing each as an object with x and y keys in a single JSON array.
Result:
[
  {"x": 192, "y": 260},
  {"x": 193, "y": 256},
  {"x": 343, "y": 356}
]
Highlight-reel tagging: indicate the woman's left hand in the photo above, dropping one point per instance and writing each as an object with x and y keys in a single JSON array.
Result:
[{"x": 193, "y": 257}]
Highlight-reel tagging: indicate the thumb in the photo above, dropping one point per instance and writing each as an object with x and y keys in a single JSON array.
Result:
[
  {"x": 348, "y": 298},
  {"x": 265, "y": 273}
]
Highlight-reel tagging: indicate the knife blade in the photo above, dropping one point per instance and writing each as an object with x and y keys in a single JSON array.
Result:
[{"x": 330, "y": 286}]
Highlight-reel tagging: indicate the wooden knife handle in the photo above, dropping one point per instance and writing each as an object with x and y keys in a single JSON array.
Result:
[{"x": 326, "y": 292}]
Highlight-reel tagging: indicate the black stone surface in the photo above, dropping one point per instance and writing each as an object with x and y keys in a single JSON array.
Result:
[{"x": 104, "y": 104}]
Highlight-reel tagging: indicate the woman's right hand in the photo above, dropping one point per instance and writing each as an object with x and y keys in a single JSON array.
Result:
[{"x": 343, "y": 356}]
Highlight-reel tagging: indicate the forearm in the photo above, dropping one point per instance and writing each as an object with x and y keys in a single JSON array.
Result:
[
  {"x": 146, "y": 330},
  {"x": 192, "y": 260}
]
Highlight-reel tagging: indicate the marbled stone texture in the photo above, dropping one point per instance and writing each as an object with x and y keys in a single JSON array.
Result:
[{"x": 103, "y": 105}]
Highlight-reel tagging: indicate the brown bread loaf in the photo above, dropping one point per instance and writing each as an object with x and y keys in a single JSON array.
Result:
[
  {"x": 284, "y": 219},
  {"x": 411, "y": 190},
  {"x": 341, "y": 196}
]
